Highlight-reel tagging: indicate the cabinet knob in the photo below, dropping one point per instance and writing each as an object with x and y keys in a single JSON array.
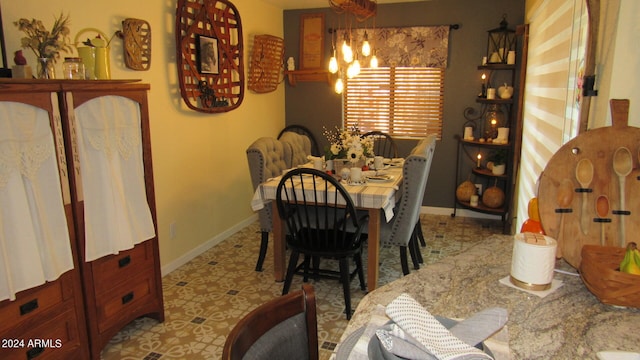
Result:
[
  {"x": 124, "y": 261},
  {"x": 34, "y": 352},
  {"x": 28, "y": 307},
  {"x": 127, "y": 298}
]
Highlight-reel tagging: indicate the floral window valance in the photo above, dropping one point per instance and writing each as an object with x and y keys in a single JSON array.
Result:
[{"x": 424, "y": 46}]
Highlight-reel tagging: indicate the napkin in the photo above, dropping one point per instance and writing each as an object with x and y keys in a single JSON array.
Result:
[
  {"x": 360, "y": 350},
  {"x": 478, "y": 327},
  {"x": 401, "y": 344},
  {"x": 420, "y": 325}
]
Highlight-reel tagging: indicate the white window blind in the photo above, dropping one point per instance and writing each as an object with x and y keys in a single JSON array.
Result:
[{"x": 405, "y": 102}]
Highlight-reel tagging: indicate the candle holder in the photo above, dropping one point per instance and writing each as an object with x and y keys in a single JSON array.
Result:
[{"x": 501, "y": 40}]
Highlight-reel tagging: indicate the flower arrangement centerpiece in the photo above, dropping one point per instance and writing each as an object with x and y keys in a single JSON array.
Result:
[
  {"x": 348, "y": 144},
  {"x": 45, "y": 44}
]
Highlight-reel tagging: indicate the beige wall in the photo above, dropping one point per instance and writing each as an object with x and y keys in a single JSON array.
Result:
[{"x": 201, "y": 176}]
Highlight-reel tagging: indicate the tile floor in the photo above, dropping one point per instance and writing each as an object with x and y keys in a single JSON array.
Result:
[{"x": 207, "y": 296}]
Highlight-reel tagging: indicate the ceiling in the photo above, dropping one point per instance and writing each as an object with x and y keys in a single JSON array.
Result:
[{"x": 310, "y": 4}]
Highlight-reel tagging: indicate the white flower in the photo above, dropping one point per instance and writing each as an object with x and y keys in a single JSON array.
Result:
[
  {"x": 348, "y": 144},
  {"x": 335, "y": 149}
]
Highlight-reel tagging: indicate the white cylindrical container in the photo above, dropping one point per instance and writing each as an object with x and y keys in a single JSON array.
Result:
[
  {"x": 533, "y": 262},
  {"x": 378, "y": 162},
  {"x": 329, "y": 165},
  {"x": 468, "y": 133},
  {"x": 511, "y": 57},
  {"x": 355, "y": 174},
  {"x": 474, "y": 200},
  {"x": 491, "y": 93},
  {"x": 317, "y": 163}
]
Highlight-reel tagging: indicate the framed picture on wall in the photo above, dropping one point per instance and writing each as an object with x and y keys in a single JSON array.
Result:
[
  {"x": 311, "y": 41},
  {"x": 207, "y": 55}
]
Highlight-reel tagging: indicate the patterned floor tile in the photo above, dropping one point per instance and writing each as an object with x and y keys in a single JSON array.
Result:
[{"x": 206, "y": 297}]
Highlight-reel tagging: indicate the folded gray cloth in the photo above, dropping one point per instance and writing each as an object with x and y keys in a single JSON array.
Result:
[
  {"x": 401, "y": 344},
  {"x": 481, "y": 325},
  {"x": 429, "y": 333}
]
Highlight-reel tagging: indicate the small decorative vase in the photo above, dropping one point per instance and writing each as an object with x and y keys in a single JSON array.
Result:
[
  {"x": 46, "y": 69},
  {"x": 498, "y": 169}
]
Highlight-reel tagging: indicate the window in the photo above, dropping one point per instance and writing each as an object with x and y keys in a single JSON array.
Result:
[{"x": 405, "y": 102}]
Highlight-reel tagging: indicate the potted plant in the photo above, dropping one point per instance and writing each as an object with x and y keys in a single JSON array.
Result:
[{"x": 499, "y": 160}]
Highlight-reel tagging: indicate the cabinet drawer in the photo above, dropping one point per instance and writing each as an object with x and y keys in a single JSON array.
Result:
[
  {"x": 110, "y": 271},
  {"x": 125, "y": 299},
  {"x": 54, "y": 339},
  {"x": 35, "y": 302}
]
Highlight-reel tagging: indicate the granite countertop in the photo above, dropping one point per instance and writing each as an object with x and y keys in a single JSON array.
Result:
[{"x": 569, "y": 323}]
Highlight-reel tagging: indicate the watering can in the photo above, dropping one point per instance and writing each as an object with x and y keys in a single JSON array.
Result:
[{"x": 94, "y": 55}]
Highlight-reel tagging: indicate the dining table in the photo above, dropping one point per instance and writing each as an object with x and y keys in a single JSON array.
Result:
[
  {"x": 564, "y": 322},
  {"x": 377, "y": 197}
]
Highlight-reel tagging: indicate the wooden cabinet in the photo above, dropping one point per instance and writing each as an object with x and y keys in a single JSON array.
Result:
[
  {"x": 108, "y": 288},
  {"x": 46, "y": 321}
]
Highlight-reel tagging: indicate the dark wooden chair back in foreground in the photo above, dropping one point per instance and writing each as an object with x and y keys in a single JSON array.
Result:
[
  {"x": 383, "y": 144},
  {"x": 283, "y": 328}
]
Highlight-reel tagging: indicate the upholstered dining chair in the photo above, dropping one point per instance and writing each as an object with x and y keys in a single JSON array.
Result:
[
  {"x": 423, "y": 146},
  {"x": 300, "y": 146},
  {"x": 383, "y": 144},
  {"x": 322, "y": 223},
  {"x": 266, "y": 157},
  {"x": 302, "y": 130},
  {"x": 401, "y": 230},
  {"x": 283, "y": 328}
]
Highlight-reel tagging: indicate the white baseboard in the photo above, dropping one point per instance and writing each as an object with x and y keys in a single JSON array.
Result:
[
  {"x": 207, "y": 245},
  {"x": 459, "y": 212}
]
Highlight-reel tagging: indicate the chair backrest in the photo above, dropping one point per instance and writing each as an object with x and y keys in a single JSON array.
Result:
[
  {"x": 266, "y": 158},
  {"x": 300, "y": 148},
  {"x": 415, "y": 174},
  {"x": 299, "y": 129},
  {"x": 383, "y": 144},
  {"x": 319, "y": 213},
  {"x": 283, "y": 328}
]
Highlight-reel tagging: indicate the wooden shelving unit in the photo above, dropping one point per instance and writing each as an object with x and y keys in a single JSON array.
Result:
[{"x": 317, "y": 75}]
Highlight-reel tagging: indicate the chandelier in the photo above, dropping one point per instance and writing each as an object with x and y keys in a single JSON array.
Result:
[{"x": 348, "y": 63}]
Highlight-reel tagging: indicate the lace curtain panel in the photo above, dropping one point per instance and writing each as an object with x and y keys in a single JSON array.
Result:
[
  {"x": 34, "y": 238},
  {"x": 117, "y": 215},
  {"x": 418, "y": 46}
]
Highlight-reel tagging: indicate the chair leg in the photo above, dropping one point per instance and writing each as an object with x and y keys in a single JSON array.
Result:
[
  {"x": 418, "y": 252},
  {"x": 419, "y": 233},
  {"x": 264, "y": 242},
  {"x": 305, "y": 267},
  {"x": 344, "y": 275},
  {"x": 291, "y": 269},
  {"x": 358, "y": 260},
  {"x": 403, "y": 260},
  {"x": 414, "y": 249}
]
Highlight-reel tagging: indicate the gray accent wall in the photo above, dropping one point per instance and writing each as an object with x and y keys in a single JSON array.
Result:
[{"x": 314, "y": 104}]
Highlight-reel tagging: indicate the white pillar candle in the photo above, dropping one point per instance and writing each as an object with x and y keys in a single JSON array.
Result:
[{"x": 533, "y": 264}]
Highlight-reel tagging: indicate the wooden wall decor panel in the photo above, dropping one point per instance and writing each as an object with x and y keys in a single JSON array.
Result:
[
  {"x": 265, "y": 68},
  {"x": 204, "y": 28}
]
